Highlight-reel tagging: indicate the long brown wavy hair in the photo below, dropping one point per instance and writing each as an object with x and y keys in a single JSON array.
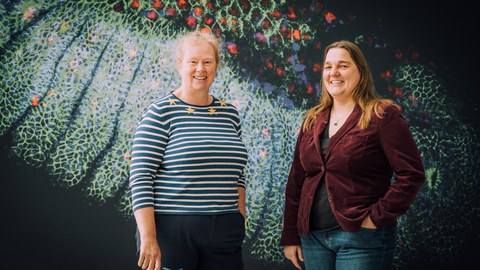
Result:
[{"x": 364, "y": 94}]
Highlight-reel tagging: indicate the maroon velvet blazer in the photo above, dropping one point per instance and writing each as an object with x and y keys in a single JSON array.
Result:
[{"x": 377, "y": 171}]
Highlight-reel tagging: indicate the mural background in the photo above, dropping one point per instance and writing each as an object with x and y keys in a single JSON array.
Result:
[{"x": 75, "y": 75}]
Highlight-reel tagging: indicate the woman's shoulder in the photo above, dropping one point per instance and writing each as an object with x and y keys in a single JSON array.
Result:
[
  {"x": 387, "y": 106},
  {"x": 226, "y": 106},
  {"x": 165, "y": 99},
  {"x": 383, "y": 110},
  {"x": 162, "y": 104},
  {"x": 223, "y": 103}
]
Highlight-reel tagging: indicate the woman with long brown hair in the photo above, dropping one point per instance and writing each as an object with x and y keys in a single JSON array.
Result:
[{"x": 356, "y": 169}]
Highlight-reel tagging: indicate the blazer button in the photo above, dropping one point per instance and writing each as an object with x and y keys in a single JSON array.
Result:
[{"x": 330, "y": 199}]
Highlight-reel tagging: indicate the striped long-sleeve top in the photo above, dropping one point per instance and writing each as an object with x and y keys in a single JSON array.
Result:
[{"x": 187, "y": 159}]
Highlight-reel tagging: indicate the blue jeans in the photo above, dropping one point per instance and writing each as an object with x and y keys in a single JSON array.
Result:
[{"x": 367, "y": 249}]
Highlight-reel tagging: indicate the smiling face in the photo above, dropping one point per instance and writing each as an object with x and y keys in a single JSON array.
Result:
[
  {"x": 197, "y": 66},
  {"x": 340, "y": 74}
]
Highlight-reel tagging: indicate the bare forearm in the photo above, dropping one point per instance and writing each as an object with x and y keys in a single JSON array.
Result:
[
  {"x": 145, "y": 219},
  {"x": 242, "y": 200},
  {"x": 150, "y": 255}
]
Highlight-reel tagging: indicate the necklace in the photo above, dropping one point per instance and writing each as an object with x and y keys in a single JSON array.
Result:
[{"x": 335, "y": 123}]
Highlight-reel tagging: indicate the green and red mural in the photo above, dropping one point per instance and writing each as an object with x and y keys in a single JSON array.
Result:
[{"x": 75, "y": 77}]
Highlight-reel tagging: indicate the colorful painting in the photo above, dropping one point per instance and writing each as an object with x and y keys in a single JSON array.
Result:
[{"x": 75, "y": 77}]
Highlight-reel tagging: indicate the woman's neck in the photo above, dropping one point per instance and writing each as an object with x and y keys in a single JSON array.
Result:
[
  {"x": 343, "y": 107},
  {"x": 199, "y": 98}
]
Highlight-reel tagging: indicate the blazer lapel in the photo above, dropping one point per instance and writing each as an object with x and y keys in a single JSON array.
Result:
[
  {"x": 321, "y": 122},
  {"x": 350, "y": 123}
]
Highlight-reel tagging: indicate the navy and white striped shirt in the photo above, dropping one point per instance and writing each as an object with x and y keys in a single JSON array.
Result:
[{"x": 188, "y": 159}]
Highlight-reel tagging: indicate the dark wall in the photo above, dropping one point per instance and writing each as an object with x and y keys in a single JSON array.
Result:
[
  {"x": 442, "y": 33},
  {"x": 48, "y": 227}
]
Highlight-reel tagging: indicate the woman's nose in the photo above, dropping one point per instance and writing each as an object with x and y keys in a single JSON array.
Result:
[
  {"x": 200, "y": 67},
  {"x": 333, "y": 71}
]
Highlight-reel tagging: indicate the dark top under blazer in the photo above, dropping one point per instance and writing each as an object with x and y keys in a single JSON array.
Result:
[{"x": 358, "y": 169}]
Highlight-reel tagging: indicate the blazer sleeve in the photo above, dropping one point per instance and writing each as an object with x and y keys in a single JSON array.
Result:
[
  {"x": 404, "y": 157},
  {"x": 292, "y": 198}
]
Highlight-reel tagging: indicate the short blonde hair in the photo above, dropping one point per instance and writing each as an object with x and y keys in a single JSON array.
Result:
[{"x": 198, "y": 36}]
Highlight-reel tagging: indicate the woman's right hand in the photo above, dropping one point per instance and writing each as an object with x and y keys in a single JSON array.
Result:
[
  {"x": 294, "y": 254},
  {"x": 149, "y": 257},
  {"x": 149, "y": 254}
]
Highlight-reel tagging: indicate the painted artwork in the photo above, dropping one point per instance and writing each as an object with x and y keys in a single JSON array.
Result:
[{"x": 75, "y": 77}]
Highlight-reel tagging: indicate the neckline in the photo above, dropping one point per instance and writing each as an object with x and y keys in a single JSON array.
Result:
[
  {"x": 193, "y": 105},
  {"x": 344, "y": 116}
]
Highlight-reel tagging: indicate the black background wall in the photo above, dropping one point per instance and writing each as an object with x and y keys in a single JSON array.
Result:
[{"x": 47, "y": 227}]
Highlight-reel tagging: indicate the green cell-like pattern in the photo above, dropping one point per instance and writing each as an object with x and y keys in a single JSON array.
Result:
[
  {"x": 442, "y": 213},
  {"x": 154, "y": 76}
]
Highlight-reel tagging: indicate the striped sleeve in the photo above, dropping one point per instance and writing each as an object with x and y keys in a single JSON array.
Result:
[
  {"x": 238, "y": 126},
  {"x": 149, "y": 142}
]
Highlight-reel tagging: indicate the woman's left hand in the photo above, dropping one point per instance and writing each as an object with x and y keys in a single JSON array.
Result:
[
  {"x": 367, "y": 223},
  {"x": 242, "y": 212}
]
